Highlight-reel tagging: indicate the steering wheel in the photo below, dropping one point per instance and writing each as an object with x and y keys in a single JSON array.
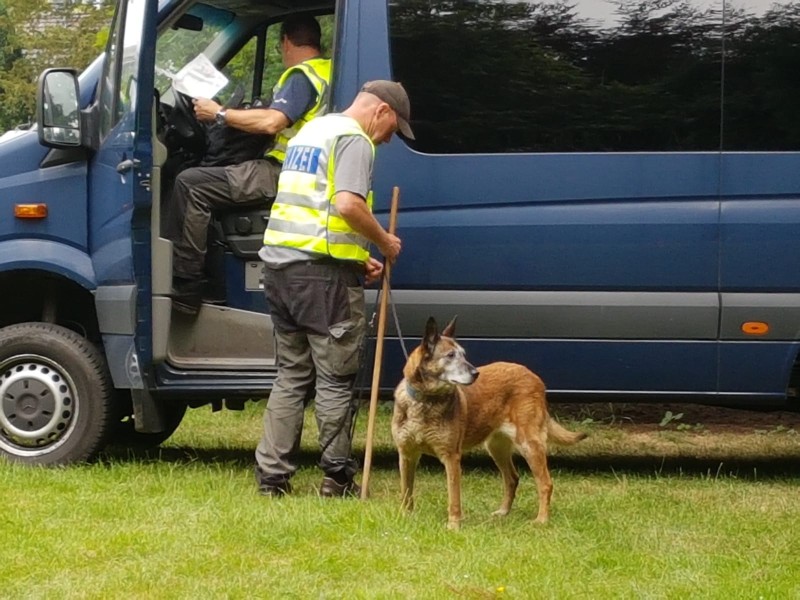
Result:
[{"x": 184, "y": 124}]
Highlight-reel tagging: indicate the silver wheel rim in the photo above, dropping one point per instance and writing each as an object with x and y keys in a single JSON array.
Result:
[{"x": 38, "y": 405}]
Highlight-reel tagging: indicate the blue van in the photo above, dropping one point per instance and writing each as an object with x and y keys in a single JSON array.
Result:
[{"x": 608, "y": 193}]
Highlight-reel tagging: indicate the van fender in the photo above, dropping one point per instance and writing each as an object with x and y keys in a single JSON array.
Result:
[
  {"x": 116, "y": 316},
  {"x": 115, "y": 305},
  {"x": 47, "y": 255}
]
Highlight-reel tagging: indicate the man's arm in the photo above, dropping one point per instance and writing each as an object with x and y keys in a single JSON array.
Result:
[
  {"x": 294, "y": 99},
  {"x": 353, "y": 209},
  {"x": 258, "y": 120},
  {"x": 353, "y": 159}
]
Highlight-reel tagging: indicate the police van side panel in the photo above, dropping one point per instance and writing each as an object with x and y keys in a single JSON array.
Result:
[
  {"x": 591, "y": 200},
  {"x": 759, "y": 272}
]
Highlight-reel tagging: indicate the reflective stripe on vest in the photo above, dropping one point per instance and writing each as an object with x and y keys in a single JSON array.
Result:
[
  {"x": 318, "y": 72},
  {"x": 304, "y": 215}
]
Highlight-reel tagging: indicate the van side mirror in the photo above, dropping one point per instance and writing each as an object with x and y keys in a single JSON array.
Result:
[{"x": 58, "y": 114}]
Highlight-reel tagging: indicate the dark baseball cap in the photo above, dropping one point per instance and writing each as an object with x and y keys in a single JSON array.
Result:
[{"x": 395, "y": 96}]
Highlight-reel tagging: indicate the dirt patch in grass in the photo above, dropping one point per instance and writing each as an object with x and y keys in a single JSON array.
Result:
[
  {"x": 680, "y": 439},
  {"x": 643, "y": 417}
]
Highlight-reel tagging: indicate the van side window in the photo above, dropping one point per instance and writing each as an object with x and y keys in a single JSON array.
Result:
[
  {"x": 273, "y": 67},
  {"x": 118, "y": 83},
  {"x": 589, "y": 76},
  {"x": 761, "y": 80},
  {"x": 240, "y": 70},
  {"x": 108, "y": 82}
]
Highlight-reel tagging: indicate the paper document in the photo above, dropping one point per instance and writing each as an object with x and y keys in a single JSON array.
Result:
[{"x": 199, "y": 78}]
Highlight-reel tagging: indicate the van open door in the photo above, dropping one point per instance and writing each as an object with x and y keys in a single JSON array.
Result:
[{"x": 120, "y": 187}]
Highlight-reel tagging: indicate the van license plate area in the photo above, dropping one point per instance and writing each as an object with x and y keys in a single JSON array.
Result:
[{"x": 254, "y": 276}]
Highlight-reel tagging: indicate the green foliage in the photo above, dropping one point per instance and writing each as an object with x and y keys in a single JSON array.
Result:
[
  {"x": 34, "y": 35},
  {"x": 697, "y": 427},
  {"x": 669, "y": 417}
]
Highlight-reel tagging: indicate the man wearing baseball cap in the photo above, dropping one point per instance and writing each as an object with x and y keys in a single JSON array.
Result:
[
  {"x": 395, "y": 96},
  {"x": 316, "y": 253}
]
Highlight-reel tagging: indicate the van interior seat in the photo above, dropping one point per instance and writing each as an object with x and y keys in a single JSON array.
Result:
[{"x": 242, "y": 227}]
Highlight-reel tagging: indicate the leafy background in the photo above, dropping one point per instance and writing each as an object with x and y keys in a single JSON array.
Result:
[{"x": 35, "y": 35}]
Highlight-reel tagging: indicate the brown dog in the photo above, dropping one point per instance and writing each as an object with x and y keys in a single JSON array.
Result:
[{"x": 443, "y": 408}]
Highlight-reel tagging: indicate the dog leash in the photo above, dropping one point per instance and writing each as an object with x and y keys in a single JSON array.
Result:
[
  {"x": 358, "y": 382},
  {"x": 397, "y": 323}
]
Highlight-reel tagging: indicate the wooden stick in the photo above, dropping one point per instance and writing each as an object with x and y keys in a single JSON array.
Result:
[{"x": 376, "y": 369}]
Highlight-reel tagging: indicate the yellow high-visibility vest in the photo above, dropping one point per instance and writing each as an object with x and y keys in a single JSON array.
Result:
[
  {"x": 304, "y": 215},
  {"x": 318, "y": 72}
]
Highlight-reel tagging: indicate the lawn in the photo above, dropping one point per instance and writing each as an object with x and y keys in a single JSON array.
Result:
[{"x": 670, "y": 513}]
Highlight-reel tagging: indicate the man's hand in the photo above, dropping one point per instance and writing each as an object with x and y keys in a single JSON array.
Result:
[
  {"x": 374, "y": 270},
  {"x": 205, "y": 109},
  {"x": 353, "y": 209},
  {"x": 390, "y": 247}
]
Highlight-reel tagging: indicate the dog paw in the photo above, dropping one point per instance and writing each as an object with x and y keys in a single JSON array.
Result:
[
  {"x": 454, "y": 525},
  {"x": 500, "y": 512}
]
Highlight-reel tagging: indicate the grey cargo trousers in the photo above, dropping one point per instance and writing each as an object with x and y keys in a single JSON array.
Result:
[
  {"x": 317, "y": 309},
  {"x": 198, "y": 192}
]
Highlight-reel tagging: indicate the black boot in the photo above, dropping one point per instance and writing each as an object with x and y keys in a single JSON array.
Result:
[{"x": 330, "y": 488}]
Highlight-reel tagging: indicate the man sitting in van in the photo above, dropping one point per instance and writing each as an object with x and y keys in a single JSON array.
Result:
[{"x": 300, "y": 94}]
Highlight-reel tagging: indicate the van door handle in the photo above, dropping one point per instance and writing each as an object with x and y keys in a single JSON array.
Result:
[{"x": 128, "y": 164}]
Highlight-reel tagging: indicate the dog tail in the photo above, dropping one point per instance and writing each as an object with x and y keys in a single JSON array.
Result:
[{"x": 560, "y": 435}]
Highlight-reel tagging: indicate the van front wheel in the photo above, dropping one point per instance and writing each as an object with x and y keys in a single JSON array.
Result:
[{"x": 55, "y": 395}]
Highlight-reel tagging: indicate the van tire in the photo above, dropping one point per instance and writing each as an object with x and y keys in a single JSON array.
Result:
[{"x": 55, "y": 395}]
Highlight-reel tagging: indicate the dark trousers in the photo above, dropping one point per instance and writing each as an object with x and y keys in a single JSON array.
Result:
[
  {"x": 201, "y": 190},
  {"x": 319, "y": 320}
]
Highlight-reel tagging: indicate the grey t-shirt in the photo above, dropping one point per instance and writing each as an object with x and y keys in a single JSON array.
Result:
[{"x": 353, "y": 158}]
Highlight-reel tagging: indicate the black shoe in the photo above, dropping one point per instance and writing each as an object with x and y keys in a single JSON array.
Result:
[
  {"x": 187, "y": 295},
  {"x": 278, "y": 489},
  {"x": 331, "y": 489},
  {"x": 214, "y": 294},
  {"x": 214, "y": 298}
]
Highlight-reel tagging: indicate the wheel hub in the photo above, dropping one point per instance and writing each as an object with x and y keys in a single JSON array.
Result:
[{"x": 36, "y": 404}]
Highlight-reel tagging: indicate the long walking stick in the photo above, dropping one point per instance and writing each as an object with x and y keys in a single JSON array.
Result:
[{"x": 376, "y": 369}]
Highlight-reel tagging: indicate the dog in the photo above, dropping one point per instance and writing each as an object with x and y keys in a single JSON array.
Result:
[{"x": 444, "y": 406}]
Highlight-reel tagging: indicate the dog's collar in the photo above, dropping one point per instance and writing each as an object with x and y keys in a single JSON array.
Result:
[{"x": 417, "y": 395}]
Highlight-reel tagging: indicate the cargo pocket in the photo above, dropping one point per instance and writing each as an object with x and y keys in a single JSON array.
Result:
[{"x": 345, "y": 337}]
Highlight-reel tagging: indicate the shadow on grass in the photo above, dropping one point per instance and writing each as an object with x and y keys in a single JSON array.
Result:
[
  {"x": 752, "y": 469},
  {"x": 776, "y": 467},
  {"x": 381, "y": 459}
]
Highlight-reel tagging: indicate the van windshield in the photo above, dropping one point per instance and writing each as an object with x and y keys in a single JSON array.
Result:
[{"x": 187, "y": 38}]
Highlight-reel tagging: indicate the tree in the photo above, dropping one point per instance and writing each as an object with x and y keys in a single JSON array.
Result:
[{"x": 35, "y": 35}]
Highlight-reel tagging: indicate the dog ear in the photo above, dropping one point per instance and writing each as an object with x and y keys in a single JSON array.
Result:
[
  {"x": 450, "y": 330},
  {"x": 431, "y": 336}
]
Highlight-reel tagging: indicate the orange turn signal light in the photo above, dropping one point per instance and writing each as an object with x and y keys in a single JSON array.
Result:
[
  {"x": 30, "y": 211},
  {"x": 755, "y": 328}
]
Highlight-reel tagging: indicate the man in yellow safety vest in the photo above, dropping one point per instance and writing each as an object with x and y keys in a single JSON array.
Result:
[
  {"x": 300, "y": 94},
  {"x": 316, "y": 256}
]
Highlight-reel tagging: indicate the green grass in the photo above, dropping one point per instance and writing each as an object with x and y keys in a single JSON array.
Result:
[{"x": 667, "y": 515}]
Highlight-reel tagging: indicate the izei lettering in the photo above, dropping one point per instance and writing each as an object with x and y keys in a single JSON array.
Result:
[{"x": 302, "y": 158}]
